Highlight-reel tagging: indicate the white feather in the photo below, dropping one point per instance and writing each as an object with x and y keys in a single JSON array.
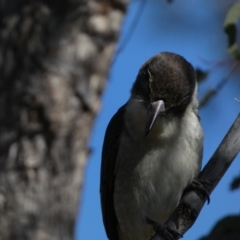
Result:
[{"x": 153, "y": 171}]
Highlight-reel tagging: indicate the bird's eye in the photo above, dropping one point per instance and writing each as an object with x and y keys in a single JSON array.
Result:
[
  {"x": 138, "y": 100},
  {"x": 150, "y": 75}
]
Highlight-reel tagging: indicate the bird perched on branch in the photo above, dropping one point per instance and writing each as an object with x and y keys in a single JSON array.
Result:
[{"x": 152, "y": 149}]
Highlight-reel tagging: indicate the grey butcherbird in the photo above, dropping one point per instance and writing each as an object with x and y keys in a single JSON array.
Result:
[{"x": 152, "y": 149}]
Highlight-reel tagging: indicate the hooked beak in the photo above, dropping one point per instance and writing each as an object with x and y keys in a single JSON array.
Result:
[{"x": 154, "y": 110}]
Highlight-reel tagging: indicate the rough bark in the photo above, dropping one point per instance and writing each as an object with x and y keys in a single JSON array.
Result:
[{"x": 54, "y": 59}]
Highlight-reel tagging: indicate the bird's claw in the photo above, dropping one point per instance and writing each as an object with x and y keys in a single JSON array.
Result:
[
  {"x": 198, "y": 184},
  {"x": 163, "y": 230}
]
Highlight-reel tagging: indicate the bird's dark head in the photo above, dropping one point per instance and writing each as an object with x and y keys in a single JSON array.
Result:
[
  {"x": 165, "y": 83},
  {"x": 167, "y": 77}
]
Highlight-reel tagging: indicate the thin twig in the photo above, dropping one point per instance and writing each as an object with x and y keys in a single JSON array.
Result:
[{"x": 131, "y": 29}]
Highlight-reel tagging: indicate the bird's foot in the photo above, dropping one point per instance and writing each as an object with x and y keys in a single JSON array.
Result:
[
  {"x": 198, "y": 184},
  {"x": 164, "y": 231}
]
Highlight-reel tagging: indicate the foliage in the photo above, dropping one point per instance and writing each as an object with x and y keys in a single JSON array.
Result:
[
  {"x": 230, "y": 27},
  {"x": 226, "y": 229}
]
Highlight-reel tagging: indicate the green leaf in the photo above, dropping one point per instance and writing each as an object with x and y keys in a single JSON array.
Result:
[
  {"x": 225, "y": 229},
  {"x": 235, "y": 184},
  {"x": 230, "y": 28},
  {"x": 201, "y": 75},
  {"x": 209, "y": 94}
]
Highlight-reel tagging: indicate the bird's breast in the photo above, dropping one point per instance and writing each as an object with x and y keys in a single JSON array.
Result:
[{"x": 152, "y": 172}]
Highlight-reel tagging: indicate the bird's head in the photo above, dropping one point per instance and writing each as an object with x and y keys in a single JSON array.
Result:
[{"x": 166, "y": 84}]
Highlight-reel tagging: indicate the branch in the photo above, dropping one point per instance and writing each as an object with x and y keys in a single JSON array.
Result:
[
  {"x": 192, "y": 202},
  {"x": 54, "y": 61}
]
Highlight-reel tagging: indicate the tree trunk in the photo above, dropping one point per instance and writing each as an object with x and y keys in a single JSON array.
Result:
[{"x": 54, "y": 59}]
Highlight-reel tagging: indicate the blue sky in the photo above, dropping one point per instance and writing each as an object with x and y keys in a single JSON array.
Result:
[{"x": 194, "y": 30}]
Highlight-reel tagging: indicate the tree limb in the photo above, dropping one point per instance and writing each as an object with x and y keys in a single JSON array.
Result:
[
  {"x": 192, "y": 202},
  {"x": 54, "y": 61}
]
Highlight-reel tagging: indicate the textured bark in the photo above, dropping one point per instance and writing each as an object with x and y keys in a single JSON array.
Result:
[{"x": 54, "y": 59}]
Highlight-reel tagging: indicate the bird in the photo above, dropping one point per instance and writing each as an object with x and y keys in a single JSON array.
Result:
[{"x": 152, "y": 148}]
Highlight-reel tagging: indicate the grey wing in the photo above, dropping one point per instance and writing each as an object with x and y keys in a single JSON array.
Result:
[{"x": 109, "y": 155}]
